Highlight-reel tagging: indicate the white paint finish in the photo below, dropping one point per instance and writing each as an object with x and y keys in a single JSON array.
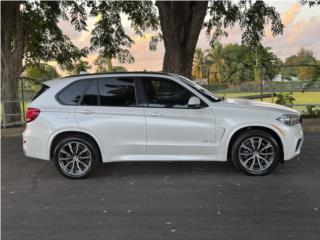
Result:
[
  {"x": 180, "y": 131},
  {"x": 155, "y": 134},
  {"x": 119, "y": 129}
]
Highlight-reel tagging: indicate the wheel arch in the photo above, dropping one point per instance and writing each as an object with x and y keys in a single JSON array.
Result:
[
  {"x": 269, "y": 130},
  {"x": 62, "y": 134}
]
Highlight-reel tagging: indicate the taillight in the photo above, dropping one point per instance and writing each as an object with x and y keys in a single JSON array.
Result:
[{"x": 32, "y": 114}]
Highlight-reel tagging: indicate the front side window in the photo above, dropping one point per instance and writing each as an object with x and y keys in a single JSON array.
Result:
[
  {"x": 72, "y": 93},
  {"x": 165, "y": 93},
  {"x": 117, "y": 92}
]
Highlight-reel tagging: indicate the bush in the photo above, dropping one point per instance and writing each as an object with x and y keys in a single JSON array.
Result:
[
  {"x": 285, "y": 98},
  {"x": 311, "y": 112}
]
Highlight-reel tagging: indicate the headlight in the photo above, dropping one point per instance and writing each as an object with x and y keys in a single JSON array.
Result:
[{"x": 289, "y": 119}]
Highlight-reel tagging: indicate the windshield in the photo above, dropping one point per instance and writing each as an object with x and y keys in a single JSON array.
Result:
[{"x": 204, "y": 92}]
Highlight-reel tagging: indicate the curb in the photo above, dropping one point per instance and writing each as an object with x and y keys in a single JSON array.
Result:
[{"x": 11, "y": 132}]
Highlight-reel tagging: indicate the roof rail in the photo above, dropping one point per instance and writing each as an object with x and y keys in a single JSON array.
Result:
[{"x": 109, "y": 73}]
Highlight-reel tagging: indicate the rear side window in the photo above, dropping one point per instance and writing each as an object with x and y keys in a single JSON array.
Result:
[
  {"x": 90, "y": 98},
  {"x": 117, "y": 92},
  {"x": 71, "y": 94}
]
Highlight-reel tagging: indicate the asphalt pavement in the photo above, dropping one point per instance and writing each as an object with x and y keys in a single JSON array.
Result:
[{"x": 186, "y": 200}]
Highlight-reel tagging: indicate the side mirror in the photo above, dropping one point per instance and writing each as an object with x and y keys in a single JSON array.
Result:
[{"x": 194, "y": 102}]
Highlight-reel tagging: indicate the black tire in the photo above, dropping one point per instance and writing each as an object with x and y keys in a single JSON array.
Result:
[
  {"x": 92, "y": 151},
  {"x": 240, "y": 155}
]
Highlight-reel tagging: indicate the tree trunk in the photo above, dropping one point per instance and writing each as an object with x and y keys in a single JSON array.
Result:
[
  {"x": 13, "y": 40},
  {"x": 181, "y": 23},
  {"x": 109, "y": 63}
]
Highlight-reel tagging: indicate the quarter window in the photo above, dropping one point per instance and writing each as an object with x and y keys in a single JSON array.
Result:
[
  {"x": 117, "y": 92},
  {"x": 165, "y": 93},
  {"x": 72, "y": 93}
]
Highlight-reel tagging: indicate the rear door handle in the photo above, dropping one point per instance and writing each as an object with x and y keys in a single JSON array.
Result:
[
  {"x": 87, "y": 111},
  {"x": 155, "y": 114}
]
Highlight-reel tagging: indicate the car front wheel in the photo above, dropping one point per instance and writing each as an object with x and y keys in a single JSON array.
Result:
[{"x": 256, "y": 152}]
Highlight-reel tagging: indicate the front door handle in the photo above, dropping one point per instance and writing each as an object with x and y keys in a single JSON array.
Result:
[
  {"x": 87, "y": 111},
  {"x": 155, "y": 114}
]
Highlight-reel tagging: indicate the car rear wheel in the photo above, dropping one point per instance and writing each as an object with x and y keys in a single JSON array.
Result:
[
  {"x": 76, "y": 157},
  {"x": 256, "y": 152}
]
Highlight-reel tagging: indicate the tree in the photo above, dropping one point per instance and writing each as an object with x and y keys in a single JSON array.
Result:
[
  {"x": 30, "y": 34},
  {"x": 216, "y": 63},
  {"x": 41, "y": 72},
  {"x": 103, "y": 64},
  {"x": 109, "y": 37},
  {"x": 78, "y": 66},
  {"x": 119, "y": 69},
  {"x": 199, "y": 67},
  {"x": 234, "y": 63},
  {"x": 311, "y": 3},
  {"x": 305, "y": 71},
  {"x": 181, "y": 22},
  {"x": 239, "y": 63}
]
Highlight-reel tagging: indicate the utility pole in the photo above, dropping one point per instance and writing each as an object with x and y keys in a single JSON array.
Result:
[{"x": 261, "y": 73}]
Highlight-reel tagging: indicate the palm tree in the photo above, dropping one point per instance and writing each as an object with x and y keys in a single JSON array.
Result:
[
  {"x": 199, "y": 64},
  {"x": 216, "y": 63}
]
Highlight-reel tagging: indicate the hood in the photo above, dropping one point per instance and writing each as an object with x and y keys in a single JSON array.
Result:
[{"x": 258, "y": 105}]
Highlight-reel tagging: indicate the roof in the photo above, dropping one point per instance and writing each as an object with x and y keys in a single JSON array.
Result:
[{"x": 110, "y": 73}]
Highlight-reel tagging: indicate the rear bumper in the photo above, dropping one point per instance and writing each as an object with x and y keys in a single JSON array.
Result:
[{"x": 35, "y": 145}]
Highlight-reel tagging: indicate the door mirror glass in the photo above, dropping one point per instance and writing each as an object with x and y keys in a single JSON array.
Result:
[{"x": 194, "y": 102}]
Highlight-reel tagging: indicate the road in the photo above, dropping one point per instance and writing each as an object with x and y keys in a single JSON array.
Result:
[{"x": 160, "y": 200}]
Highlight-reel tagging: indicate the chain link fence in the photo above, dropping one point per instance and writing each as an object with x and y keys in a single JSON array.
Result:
[
  {"x": 28, "y": 87},
  {"x": 262, "y": 83},
  {"x": 266, "y": 83}
]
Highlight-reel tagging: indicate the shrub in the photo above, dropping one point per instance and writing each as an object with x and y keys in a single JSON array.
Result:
[
  {"x": 311, "y": 112},
  {"x": 285, "y": 98}
]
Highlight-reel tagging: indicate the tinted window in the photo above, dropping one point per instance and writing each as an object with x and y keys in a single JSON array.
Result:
[
  {"x": 90, "y": 98},
  {"x": 204, "y": 92},
  {"x": 117, "y": 92},
  {"x": 42, "y": 90},
  {"x": 165, "y": 93},
  {"x": 72, "y": 93}
]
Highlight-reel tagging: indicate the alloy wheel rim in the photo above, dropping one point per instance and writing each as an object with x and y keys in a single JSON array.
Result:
[
  {"x": 75, "y": 158},
  {"x": 256, "y": 154}
]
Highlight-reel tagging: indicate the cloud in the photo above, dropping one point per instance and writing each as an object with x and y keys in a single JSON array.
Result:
[
  {"x": 304, "y": 33},
  {"x": 290, "y": 15}
]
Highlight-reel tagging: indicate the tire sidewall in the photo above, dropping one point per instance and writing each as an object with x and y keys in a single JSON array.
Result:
[
  {"x": 255, "y": 133},
  {"x": 93, "y": 150}
]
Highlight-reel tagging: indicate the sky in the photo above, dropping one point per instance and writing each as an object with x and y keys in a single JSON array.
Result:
[{"x": 302, "y": 29}]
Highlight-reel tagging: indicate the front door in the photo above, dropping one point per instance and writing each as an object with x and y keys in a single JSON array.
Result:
[{"x": 172, "y": 127}]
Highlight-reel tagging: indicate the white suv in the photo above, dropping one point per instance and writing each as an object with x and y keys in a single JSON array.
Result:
[{"x": 80, "y": 121}]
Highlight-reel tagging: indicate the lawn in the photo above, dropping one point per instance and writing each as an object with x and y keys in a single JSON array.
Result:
[{"x": 301, "y": 98}]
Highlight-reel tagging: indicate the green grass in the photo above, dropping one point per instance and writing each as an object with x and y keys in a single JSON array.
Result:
[{"x": 301, "y": 98}]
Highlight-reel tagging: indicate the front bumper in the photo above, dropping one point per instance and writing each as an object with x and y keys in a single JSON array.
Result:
[{"x": 292, "y": 140}]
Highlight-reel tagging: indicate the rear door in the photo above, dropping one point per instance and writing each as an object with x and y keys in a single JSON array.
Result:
[
  {"x": 109, "y": 110},
  {"x": 172, "y": 127}
]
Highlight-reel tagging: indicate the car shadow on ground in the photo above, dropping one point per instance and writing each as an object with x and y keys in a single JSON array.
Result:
[{"x": 166, "y": 168}]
